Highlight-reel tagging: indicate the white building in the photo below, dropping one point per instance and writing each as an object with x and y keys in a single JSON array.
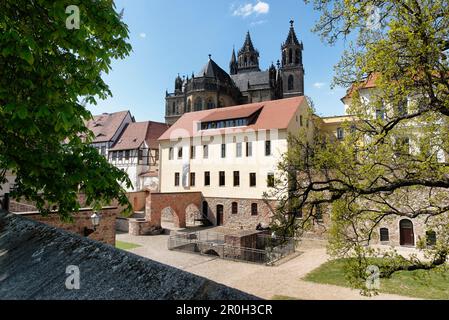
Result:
[{"x": 230, "y": 155}]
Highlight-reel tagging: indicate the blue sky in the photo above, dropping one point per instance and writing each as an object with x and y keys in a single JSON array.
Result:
[{"x": 175, "y": 36}]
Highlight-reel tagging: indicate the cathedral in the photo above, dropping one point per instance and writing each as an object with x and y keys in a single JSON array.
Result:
[{"x": 245, "y": 83}]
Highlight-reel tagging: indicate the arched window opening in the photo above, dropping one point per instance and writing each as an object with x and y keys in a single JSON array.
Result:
[
  {"x": 431, "y": 238},
  {"x": 189, "y": 105},
  {"x": 290, "y": 56},
  {"x": 198, "y": 104},
  {"x": 290, "y": 82},
  {"x": 407, "y": 236},
  {"x": 210, "y": 104}
]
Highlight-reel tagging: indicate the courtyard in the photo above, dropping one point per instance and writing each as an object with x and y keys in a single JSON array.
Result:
[{"x": 284, "y": 280}]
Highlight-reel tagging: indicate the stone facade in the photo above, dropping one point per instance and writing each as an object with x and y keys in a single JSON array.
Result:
[{"x": 243, "y": 220}]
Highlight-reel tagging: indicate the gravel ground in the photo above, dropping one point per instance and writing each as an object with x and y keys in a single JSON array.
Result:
[{"x": 259, "y": 280}]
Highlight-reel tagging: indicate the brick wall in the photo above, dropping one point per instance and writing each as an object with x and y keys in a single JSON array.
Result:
[
  {"x": 184, "y": 205},
  {"x": 105, "y": 231}
]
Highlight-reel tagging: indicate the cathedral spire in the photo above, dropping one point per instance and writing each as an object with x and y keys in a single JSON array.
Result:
[
  {"x": 248, "y": 56},
  {"x": 233, "y": 65}
]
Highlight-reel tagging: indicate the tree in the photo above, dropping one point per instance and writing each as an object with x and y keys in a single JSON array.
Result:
[
  {"x": 50, "y": 68},
  {"x": 389, "y": 165}
]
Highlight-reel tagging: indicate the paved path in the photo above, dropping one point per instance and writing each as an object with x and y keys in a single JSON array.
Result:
[{"x": 259, "y": 280}]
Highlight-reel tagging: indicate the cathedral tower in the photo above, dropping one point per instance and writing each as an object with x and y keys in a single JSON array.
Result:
[
  {"x": 248, "y": 59},
  {"x": 292, "y": 68}
]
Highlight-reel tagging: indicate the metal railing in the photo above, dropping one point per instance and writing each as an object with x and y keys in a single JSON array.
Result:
[{"x": 268, "y": 249}]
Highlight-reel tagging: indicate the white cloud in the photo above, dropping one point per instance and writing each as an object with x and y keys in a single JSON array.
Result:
[
  {"x": 248, "y": 9},
  {"x": 143, "y": 35},
  {"x": 319, "y": 85}
]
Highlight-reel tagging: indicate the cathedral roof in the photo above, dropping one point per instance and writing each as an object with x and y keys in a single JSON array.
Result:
[
  {"x": 213, "y": 70},
  {"x": 291, "y": 38},
  {"x": 258, "y": 79}
]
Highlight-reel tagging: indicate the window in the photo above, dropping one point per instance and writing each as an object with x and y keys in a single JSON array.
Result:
[
  {"x": 236, "y": 178},
  {"x": 170, "y": 154},
  {"x": 192, "y": 152},
  {"x": 180, "y": 153},
  {"x": 205, "y": 151},
  {"x": 207, "y": 178},
  {"x": 402, "y": 109},
  {"x": 198, "y": 104},
  {"x": 189, "y": 105},
  {"x": 380, "y": 114},
  {"x": 270, "y": 180},
  {"x": 173, "y": 110},
  {"x": 290, "y": 56},
  {"x": 223, "y": 150},
  {"x": 210, "y": 104},
  {"x": 127, "y": 155},
  {"x": 238, "y": 150},
  {"x": 318, "y": 213},
  {"x": 340, "y": 133},
  {"x": 431, "y": 238},
  {"x": 252, "y": 179},
  {"x": 177, "y": 179},
  {"x": 120, "y": 155},
  {"x": 254, "y": 211},
  {"x": 192, "y": 179},
  {"x": 268, "y": 148},
  {"x": 384, "y": 235},
  {"x": 114, "y": 155},
  {"x": 103, "y": 150},
  {"x": 222, "y": 179},
  {"x": 301, "y": 122},
  {"x": 235, "y": 208},
  {"x": 140, "y": 155},
  {"x": 249, "y": 149},
  {"x": 290, "y": 83}
]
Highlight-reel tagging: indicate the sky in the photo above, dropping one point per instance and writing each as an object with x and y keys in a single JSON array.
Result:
[{"x": 176, "y": 36}]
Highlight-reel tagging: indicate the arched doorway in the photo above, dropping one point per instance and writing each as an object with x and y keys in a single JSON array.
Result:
[
  {"x": 407, "y": 236},
  {"x": 220, "y": 211},
  {"x": 205, "y": 209}
]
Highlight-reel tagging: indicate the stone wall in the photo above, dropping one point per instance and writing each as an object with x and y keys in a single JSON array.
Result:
[
  {"x": 243, "y": 220},
  {"x": 105, "y": 232}
]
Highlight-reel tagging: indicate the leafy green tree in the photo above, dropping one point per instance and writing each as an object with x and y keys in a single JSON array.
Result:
[
  {"x": 391, "y": 162},
  {"x": 50, "y": 68}
]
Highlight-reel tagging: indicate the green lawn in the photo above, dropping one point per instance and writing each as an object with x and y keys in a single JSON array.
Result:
[
  {"x": 125, "y": 245},
  {"x": 420, "y": 284},
  {"x": 280, "y": 297}
]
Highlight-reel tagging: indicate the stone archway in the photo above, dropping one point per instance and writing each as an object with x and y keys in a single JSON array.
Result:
[{"x": 181, "y": 204}]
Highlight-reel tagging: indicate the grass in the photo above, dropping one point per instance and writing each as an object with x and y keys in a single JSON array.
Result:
[
  {"x": 125, "y": 245},
  {"x": 280, "y": 297},
  {"x": 423, "y": 284}
]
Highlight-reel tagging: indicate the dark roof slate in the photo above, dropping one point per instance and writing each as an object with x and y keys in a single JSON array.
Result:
[{"x": 34, "y": 258}]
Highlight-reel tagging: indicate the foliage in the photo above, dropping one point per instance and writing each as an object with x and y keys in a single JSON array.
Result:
[
  {"x": 48, "y": 73},
  {"x": 391, "y": 164},
  {"x": 425, "y": 284}
]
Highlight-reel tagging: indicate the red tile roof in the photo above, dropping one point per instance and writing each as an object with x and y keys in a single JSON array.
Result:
[
  {"x": 369, "y": 82},
  {"x": 136, "y": 133},
  {"x": 105, "y": 126},
  {"x": 276, "y": 114}
]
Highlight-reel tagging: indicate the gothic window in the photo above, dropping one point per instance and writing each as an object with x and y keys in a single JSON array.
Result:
[
  {"x": 173, "y": 111},
  {"x": 210, "y": 104},
  {"x": 198, "y": 104},
  {"x": 290, "y": 56},
  {"x": 297, "y": 56},
  {"x": 246, "y": 61},
  {"x": 283, "y": 58},
  {"x": 189, "y": 105},
  {"x": 290, "y": 82}
]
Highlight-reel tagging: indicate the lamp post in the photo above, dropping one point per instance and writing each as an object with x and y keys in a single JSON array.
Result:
[{"x": 95, "y": 219}]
